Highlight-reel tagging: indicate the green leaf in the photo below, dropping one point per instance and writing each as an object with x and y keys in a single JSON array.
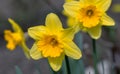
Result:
[
  {"x": 18, "y": 70},
  {"x": 77, "y": 66}
]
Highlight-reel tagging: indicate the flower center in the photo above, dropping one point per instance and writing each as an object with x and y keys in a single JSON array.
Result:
[
  {"x": 53, "y": 42},
  {"x": 90, "y": 16},
  {"x": 90, "y": 13},
  {"x": 50, "y": 46}
]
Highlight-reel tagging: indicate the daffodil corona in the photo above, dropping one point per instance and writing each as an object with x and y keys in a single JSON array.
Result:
[
  {"x": 53, "y": 42},
  {"x": 12, "y": 38},
  {"x": 90, "y": 15},
  {"x": 50, "y": 46}
]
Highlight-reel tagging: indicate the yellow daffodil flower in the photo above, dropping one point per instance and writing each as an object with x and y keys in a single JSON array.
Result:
[
  {"x": 53, "y": 42},
  {"x": 15, "y": 38},
  {"x": 90, "y": 15}
]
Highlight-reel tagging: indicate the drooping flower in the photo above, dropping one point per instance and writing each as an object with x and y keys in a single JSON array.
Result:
[
  {"x": 90, "y": 15},
  {"x": 15, "y": 38},
  {"x": 53, "y": 42}
]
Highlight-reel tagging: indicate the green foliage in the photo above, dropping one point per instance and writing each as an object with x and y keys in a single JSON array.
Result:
[{"x": 18, "y": 70}]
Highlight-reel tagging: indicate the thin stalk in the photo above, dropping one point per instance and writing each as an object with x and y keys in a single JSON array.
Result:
[
  {"x": 79, "y": 42},
  {"x": 103, "y": 67},
  {"x": 25, "y": 49},
  {"x": 94, "y": 55},
  {"x": 67, "y": 65}
]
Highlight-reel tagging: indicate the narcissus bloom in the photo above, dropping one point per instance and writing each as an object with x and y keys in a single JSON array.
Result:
[
  {"x": 90, "y": 15},
  {"x": 53, "y": 42},
  {"x": 15, "y": 38}
]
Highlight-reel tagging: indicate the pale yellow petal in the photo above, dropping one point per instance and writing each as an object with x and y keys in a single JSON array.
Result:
[
  {"x": 72, "y": 50},
  {"x": 68, "y": 0},
  {"x": 72, "y": 8},
  {"x": 104, "y": 4},
  {"x": 11, "y": 46},
  {"x": 37, "y": 32},
  {"x": 88, "y": 1},
  {"x": 95, "y": 32},
  {"x": 53, "y": 22},
  {"x": 107, "y": 21},
  {"x": 68, "y": 33},
  {"x": 7, "y": 35},
  {"x": 56, "y": 63},
  {"x": 66, "y": 14},
  {"x": 71, "y": 21},
  {"x": 15, "y": 26},
  {"x": 35, "y": 53}
]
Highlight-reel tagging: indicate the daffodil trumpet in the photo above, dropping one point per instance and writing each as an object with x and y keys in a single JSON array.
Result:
[
  {"x": 16, "y": 38},
  {"x": 53, "y": 42}
]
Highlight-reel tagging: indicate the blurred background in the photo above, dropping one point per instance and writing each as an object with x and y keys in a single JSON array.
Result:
[{"x": 28, "y": 13}]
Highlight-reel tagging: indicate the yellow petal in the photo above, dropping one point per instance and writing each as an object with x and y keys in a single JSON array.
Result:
[
  {"x": 68, "y": 0},
  {"x": 71, "y": 21},
  {"x": 15, "y": 26},
  {"x": 72, "y": 50},
  {"x": 72, "y": 8},
  {"x": 68, "y": 33},
  {"x": 37, "y": 32},
  {"x": 56, "y": 63},
  {"x": 107, "y": 21},
  {"x": 88, "y": 1},
  {"x": 104, "y": 4},
  {"x": 35, "y": 53},
  {"x": 53, "y": 22},
  {"x": 7, "y": 35},
  {"x": 95, "y": 32},
  {"x": 11, "y": 46},
  {"x": 66, "y": 14}
]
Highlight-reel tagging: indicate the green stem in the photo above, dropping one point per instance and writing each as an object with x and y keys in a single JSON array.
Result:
[
  {"x": 67, "y": 65},
  {"x": 103, "y": 67},
  {"x": 79, "y": 42},
  {"x": 26, "y": 50},
  {"x": 54, "y": 72},
  {"x": 94, "y": 55}
]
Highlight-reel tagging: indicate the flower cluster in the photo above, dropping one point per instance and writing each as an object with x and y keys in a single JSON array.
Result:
[{"x": 54, "y": 42}]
